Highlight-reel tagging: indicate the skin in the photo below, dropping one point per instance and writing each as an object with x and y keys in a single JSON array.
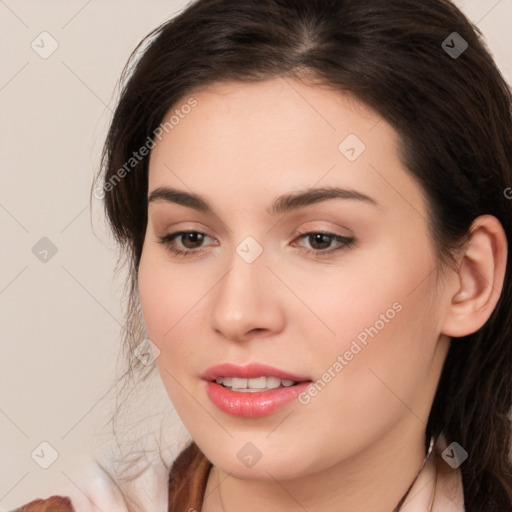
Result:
[{"x": 240, "y": 148}]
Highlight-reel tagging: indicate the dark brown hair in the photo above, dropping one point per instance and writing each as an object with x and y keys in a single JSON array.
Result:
[{"x": 453, "y": 116}]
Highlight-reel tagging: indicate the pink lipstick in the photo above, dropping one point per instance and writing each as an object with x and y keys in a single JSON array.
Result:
[{"x": 252, "y": 391}]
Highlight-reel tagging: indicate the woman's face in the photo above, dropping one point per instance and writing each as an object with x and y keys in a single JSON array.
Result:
[{"x": 337, "y": 291}]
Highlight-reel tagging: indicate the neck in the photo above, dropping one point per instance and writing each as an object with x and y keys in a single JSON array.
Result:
[{"x": 374, "y": 479}]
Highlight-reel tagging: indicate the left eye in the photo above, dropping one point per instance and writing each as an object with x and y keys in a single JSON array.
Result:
[{"x": 321, "y": 242}]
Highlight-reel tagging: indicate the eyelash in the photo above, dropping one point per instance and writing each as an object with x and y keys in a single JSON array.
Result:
[{"x": 347, "y": 243}]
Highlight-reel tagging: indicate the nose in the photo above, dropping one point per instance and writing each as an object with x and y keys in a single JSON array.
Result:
[{"x": 246, "y": 304}]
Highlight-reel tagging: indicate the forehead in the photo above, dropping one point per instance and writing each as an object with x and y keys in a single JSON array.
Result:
[
  {"x": 277, "y": 135},
  {"x": 252, "y": 113}
]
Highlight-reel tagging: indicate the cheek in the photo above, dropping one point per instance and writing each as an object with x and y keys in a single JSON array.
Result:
[
  {"x": 369, "y": 292},
  {"x": 377, "y": 312},
  {"x": 375, "y": 375},
  {"x": 167, "y": 291},
  {"x": 382, "y": 352},
  {"x": 176, "y": 300},
  {"x": 166, "y": 300}
]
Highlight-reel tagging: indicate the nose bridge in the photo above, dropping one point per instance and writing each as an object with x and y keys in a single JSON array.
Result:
[{"x": 243, "y": 302}]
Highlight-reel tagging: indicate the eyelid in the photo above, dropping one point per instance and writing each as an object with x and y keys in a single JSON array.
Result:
[
  {"x": 320, "y": 226},
  {"x": 164, "y": 220}
]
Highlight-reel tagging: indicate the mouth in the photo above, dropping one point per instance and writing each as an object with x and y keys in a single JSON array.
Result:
[
  {"x": 252, "y": 391},
  {"x": 254, "y": 385}
]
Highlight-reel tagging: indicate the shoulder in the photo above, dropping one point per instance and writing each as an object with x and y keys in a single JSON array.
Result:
[
  {"x": 96, "y": 492},
  {"x": 97, "y": 487},
  {"x": 51, "y": 504}
]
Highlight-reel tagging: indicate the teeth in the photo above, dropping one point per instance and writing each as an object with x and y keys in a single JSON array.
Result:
[
  {"x": 253, "y": 385},
  {"x": 273, "y": 382},
  {"x": 238, "y": 383},
  {"x": 257, "y": 383}
]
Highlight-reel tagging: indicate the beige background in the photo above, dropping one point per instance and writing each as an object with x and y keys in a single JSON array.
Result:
[{"x": 60, "y": 319}]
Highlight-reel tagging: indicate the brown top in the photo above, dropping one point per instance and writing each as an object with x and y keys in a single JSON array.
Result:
[
  {"x": 437, "y": 487},
  {"x": 185, "y": 494},
  {"x": 52, "y": 504}
]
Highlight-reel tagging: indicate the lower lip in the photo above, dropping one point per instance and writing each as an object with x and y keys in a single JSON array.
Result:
[{"x": 252, "y": 405}]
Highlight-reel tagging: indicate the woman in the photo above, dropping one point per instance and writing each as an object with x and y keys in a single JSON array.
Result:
[{"x": 313, "y": 200}]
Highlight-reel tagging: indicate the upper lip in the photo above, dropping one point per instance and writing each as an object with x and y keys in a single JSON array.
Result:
[{"x": 250, "y": 371}]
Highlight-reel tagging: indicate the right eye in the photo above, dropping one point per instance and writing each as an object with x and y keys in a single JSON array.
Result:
[{"x": 189, "y": 241}]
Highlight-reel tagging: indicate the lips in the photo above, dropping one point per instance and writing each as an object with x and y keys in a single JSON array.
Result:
[
  {"x": 250, "y": 371},
  {"x": 252, "y": 391}
]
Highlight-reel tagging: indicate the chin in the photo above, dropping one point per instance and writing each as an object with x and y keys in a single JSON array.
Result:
[{"x": 247, "y": 462}]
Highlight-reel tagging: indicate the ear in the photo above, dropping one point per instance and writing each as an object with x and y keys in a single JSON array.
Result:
[{"x": 479, "y": 278}]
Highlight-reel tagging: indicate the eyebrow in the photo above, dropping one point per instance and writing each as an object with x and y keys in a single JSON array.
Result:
[{"x": 282, "y": 204}]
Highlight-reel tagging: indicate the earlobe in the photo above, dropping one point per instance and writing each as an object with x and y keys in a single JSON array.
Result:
[{"x": 480, "y": 278}]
